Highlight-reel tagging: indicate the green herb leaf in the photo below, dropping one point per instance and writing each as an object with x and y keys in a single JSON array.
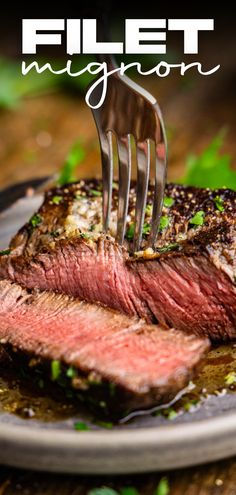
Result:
[
  {"x": 105, "y": 424},
  {"x": 198, "y": 218},
  {"x": 129, "y": 490},
  {"x": 169, "y": 247},
  {"x": 163, "y": 487},
  {"x": 56, "y": 200},
  {"x": 71, "y": 372},
  {"x": 35, "y": 220},
  {"x": 211, "y": 169},
  {"x": 172, "y": 414},
  {"x": 230, "y": 378},
  {"x": 219, "y": 202},
  {"x": 164, "y": 223},
  {"x": 190, "y": 405},
  {"x": 95, "y": 193},
  {"x": 130, "y": 232},
  {"x": 168, "y": 202},
  {"x": 80, "y": 426},
  {"x": 78, "y": 196},
  {"x": 146, "y": 228},
  {"x": 148, "y": 210},
  {"x": 5, "y": 252},
  {"x": 83, "y": 235},
  {"x": 55, "y": 369},
  {"x": 73, "y": 159},
  {"x": 104, "y": 490}
]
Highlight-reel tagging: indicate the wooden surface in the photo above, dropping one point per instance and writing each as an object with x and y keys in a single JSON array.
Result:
[{"x": 34, "y": 140}]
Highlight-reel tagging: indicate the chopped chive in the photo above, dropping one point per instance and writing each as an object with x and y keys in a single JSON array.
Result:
[
  {"x": 71, "y": 372},
  {"x": 95, "y": 193},
  {"x": 78, "y": 196},
  {"x": 105, "y": 424},
  {"x": 55, "y": 369},
  {"x": 168, "y": 201},
  {"x": 146, "y": 228},
  {"x": 198, "y": 218},
  {"x": 169, "y": 247},
  {"x": 164, "y": 223},
  {"x": 130, "y": 232},
  {"x": 35, "y": 220},
  {"x": 5, "y": 252},
  {"x": 83, "y": 235},
  {"x": 129, "y": 490},
  {"x": 219, "y": 203},
  {"x": 230, "y": 378},
  {"x": 172, "y": 414},
  {"x": 148, "y": 210},
  {"x": 103, "y": 490},
  {"x": 162, "y": 487},
  {"x": 56, "y": 200},
  {"x": 80, "y": 426}
]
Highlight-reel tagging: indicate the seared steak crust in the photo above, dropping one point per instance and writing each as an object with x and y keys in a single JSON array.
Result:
[{"x": 187, "y": 283}]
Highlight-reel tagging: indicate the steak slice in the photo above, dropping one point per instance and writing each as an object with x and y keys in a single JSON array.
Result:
[
  {"x": 147, "y": 363},
  {"x": 188, "y": 282}
]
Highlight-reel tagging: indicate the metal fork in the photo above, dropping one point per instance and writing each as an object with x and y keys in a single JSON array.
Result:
[{"x": 129, "y": 110}]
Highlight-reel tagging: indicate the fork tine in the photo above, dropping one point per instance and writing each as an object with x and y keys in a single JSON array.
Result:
[
  {"x": 143, "y": 171},
  {"x": 107, "y": 176},
  {"x": 160, "y": 179},
  {"x": 124, "y": 158}
]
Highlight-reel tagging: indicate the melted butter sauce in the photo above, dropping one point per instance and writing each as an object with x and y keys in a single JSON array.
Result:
[{"x": 19, "y": 396}]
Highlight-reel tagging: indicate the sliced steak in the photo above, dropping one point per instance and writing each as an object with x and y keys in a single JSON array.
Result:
[
  {"x": 187, "y": 283},
  {"x": 146, "y": 363}
]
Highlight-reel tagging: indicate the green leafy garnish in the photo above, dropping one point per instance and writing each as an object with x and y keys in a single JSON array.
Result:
[
  {"x": 198, "y": 218},
  {"x": 168, "y": 202},
  {"x": 230, "y": 378},
  {"x": 163, "y": 487},
  {"x": 5, "y": 252},
  {"x": 104, "y": 490},
  {"x": 80, "y": 426},
  {"x": 172, "y": 414},
  {"x": 164, "y": 222},
  {"x": 190, "y": 404},
  {"x": 95, "y": 193},
  {"x": 148, "y": 210},
  {"x": 35, "y": 220},
  {"x": 56, "y": 200},
  {"x": 129, "y": 490},
  {"x": 71, "y": 372},
  {"x": 219, "y": 202},
  {"x": 146, "y": 228},
  {"x": 74, "y": 158},
  {"x": 55, "y": 369},
  {"x": 105, "y": 424},
  {"x": 130, "y": 232},
  {"x": 83, "y": 235},
  {"x": 169, "y": 247},
  {"x": 78, "y": 196},
  {"x": 210, "y": 169}
]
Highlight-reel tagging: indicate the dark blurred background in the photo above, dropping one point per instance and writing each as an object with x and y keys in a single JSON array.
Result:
[{"x": 42, "y": 116}]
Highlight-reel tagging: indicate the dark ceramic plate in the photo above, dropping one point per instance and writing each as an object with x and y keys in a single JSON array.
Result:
[{"x": 198, "y": 428}]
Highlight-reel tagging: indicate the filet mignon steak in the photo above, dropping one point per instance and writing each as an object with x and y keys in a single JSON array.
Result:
[
  {"x": 145, "y": 364},
  {"x": 188, "y": 282}
]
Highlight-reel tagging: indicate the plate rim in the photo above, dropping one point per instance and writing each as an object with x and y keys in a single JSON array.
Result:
[{"x": 197, "y": 442}]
